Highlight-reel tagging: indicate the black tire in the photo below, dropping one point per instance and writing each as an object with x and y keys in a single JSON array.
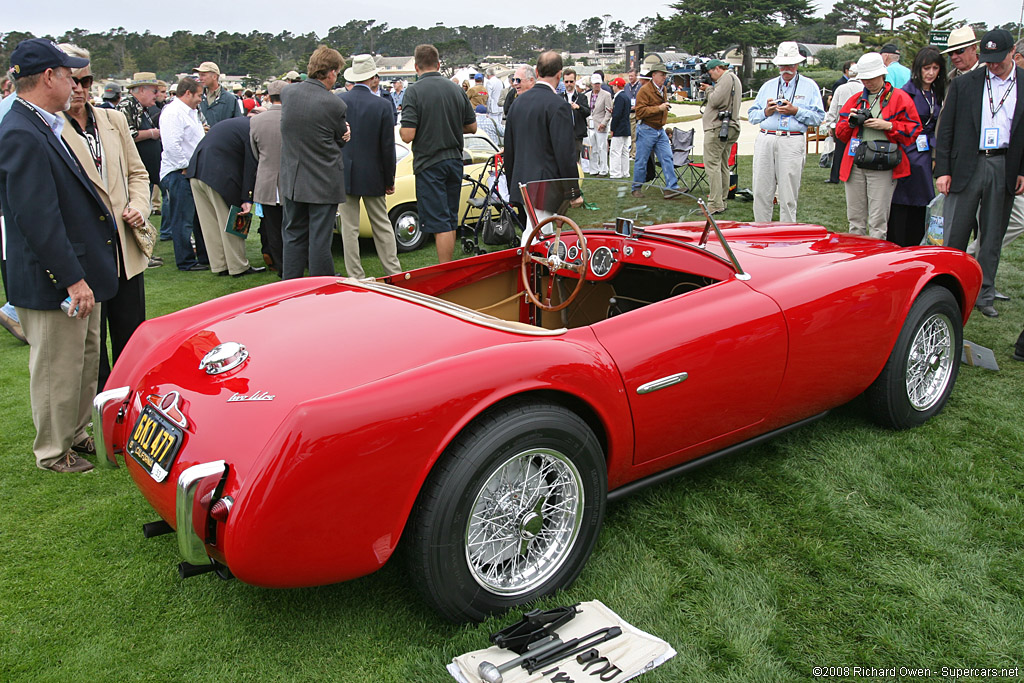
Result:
[
  {"x": 553, "y": 527},
  {"x": 919, "y": 376},
  {"x": 406, "y": 223}
]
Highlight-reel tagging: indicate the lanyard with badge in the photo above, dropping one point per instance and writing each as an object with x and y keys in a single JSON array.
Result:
[
  {"x": 991, "y": 137},
  {"x": 922, "y": 139},
  {"x": 863, "y": 103}
]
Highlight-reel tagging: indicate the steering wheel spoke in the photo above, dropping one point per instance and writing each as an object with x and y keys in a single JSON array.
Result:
[{"x": 554, "y": 264}]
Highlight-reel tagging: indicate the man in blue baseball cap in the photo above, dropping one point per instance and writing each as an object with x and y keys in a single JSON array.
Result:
[{"x": 60, "y": 249}]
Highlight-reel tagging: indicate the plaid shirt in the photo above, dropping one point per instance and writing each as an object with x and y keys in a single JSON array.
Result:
[{"x": 137, "y": 115}]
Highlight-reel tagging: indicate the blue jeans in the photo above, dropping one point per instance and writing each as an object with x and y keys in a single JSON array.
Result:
[
  {"x": 179, "y": 217},
  {"x": 653, "y": 139}
]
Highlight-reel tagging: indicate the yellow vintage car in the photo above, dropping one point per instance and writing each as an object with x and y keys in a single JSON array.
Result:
[{"x": 477, "y": 150}]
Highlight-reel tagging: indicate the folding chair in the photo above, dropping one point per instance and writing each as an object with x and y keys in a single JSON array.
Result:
[
  {"x": 734, "y": 170},
  {"x": 691, "y": 175}
]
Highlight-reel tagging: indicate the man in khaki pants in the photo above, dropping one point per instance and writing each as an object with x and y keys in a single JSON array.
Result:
[{"x": 723, "y": 101}]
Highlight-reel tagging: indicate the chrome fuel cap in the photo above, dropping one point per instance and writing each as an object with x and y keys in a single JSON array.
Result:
[{"x": 224, "y": 357}]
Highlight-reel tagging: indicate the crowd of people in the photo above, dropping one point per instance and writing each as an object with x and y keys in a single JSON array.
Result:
[{"x": 79, "y": 181}]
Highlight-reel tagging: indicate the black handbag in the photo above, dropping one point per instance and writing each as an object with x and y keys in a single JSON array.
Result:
[
  {"x": 500, "y": 231},
  {"x": 878, "y": 155}
]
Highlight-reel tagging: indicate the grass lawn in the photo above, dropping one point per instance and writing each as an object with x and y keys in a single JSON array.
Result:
[{"x": 836, "y": 545}]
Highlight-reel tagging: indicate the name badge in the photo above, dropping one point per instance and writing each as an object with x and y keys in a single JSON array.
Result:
[
  {"x": 784, "y": 121},
  {"x": 922, "y": 143},
  {"x": 990, "y": 140},
  {"x": 851, "y": 147}
]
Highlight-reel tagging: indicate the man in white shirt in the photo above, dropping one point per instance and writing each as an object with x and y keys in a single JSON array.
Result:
[
  {"x": 494, "y": 88},
  {"x": 181, "y": 131}
]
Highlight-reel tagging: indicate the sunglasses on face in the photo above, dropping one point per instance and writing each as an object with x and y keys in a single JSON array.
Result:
[
  {"x": 570, "y": 82},
  {"x": 517, "y": 80},
  {"x": 84, "y": 81},
  {"x": 960, "y": 51}
]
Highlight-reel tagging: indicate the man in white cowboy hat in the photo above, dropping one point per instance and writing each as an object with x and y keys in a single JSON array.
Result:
[
  {"x": 370, "y": 160},
  {"x": 136, "y": 108},
  {"x": 962, "y": 48},
  {"x": 785, "y": 107}
]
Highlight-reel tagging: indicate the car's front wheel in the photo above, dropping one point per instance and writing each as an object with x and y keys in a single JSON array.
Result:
[
  {"x": 406, "y": 223},
  {"x": 921, "y": 371},
  {"x": 510, "y": 513}
]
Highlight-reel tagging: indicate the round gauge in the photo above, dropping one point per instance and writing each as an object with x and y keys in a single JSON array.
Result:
[
  {"x": 561, "y": 249},
  {"x": 574, "y": 251},
  {"x": 601, "y": 262}
]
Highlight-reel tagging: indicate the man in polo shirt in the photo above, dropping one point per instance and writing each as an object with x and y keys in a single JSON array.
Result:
[
  {"x": 785, "y": 107},
  {"x": 978, "y": 165},
  {"x": 896, "y": 73},
  {"x": 435, "y": 115},
  {"x": 217, "y": 103}
]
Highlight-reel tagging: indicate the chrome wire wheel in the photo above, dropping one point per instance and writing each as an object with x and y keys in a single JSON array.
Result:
[
  {"x": 524, "y": 522},
  {"x": 930, "y": 362}
]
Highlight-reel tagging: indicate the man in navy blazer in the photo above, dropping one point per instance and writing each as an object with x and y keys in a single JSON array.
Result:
[
  {"x": 370, "y": 167},
  {"x": 60, "y": 245},
  {"x": 539, "y": 140},
  {"x": 979, "y": 156},
  {"x": 222, "y": 174}
]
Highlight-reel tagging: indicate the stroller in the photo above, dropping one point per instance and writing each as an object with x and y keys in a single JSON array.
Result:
[{"x": 488, "y": 218}]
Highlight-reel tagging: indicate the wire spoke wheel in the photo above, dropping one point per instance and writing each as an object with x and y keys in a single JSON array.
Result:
[
  {"x": 524, "y": 521},
  {"x": 930, "y": 364}
]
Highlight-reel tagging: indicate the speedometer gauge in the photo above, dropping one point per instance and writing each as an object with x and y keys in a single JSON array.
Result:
[{"x": 601, "y": 262}]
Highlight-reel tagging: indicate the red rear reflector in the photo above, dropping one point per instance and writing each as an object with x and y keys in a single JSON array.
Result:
[{"x": 220, "y": 510}]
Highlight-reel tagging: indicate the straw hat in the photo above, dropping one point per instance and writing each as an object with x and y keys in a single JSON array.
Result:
[
  {"x": 960, "y": 37},
  {"x": 143, "y": 78},
  {"x": 363, "y": 69}
]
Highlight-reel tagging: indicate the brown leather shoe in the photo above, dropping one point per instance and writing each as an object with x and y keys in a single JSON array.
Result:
[
  {"x": 671, "y": 194},
  {"x": 638, "y": 194},
  {"x": 70, "y": 462},
  {"x": 13, "y": 326},
  {"x": 85, "y": 447}
]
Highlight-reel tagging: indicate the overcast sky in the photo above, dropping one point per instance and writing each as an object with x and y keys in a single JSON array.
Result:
[{"x": 57, "y": 16}]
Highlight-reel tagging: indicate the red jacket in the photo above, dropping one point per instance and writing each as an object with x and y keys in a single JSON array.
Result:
[{"x": 897, "y": 108}]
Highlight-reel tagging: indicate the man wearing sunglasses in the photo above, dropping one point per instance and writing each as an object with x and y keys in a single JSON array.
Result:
[
  {"x": 580, "y": 108},
  {"x": 962, "y": 49},
  {"x": 59, "y": 247}
]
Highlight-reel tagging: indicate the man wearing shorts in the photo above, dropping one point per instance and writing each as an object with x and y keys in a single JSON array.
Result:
[{"x": 435, "y": 114}]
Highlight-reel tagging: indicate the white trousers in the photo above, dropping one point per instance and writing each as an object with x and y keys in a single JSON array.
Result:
[
  {"x": 618, "y": 158},
  {"x": 778, "y": 168},
  {"x": 598, "y": 152}
]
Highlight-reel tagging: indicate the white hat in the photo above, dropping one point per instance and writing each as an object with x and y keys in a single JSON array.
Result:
[
  {"x": 870, "y": 65},
  {"x": 960, "y": 37},
  {"x": 788, "y": 54},
  {"x": 363, "y": 69},
  {"x": 854, "y": 71},
  {"x": 596, "y": 78}
]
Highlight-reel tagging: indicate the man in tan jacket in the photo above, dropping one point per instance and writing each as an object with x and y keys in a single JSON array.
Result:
[
  {"x": 651, "y": 115},
  {"x": 721, "y": 115}
]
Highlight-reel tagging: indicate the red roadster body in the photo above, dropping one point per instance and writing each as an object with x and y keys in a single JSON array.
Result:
[{"x": 299, "y": 433}]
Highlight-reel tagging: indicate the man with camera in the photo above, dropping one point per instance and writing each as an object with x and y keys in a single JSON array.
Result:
[
  {"x": 721, "y": 128},
  {"x": 785, "y": 107}
]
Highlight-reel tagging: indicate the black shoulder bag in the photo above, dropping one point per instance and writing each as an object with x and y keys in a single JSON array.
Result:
[{"x": 877, "y": 155}]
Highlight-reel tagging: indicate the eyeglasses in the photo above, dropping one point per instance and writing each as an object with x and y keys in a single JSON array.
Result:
[
  {"x": 83, "y": 82},
  {"x": 570, "y": 82},
  {"x": 517, "y": 80}
]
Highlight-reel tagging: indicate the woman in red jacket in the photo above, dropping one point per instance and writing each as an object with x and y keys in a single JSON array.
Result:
[{"x": 888, "y": 115}]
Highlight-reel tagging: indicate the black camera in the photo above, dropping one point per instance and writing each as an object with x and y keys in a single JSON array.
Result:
[
  {"x": 705, "y": 77},
  {"x": 723, "y": 132},
  {"x": 858, "y": 117}
]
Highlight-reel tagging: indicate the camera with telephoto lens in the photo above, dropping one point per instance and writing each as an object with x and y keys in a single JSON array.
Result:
[
  {"x": 858, "y": 117},
  {"x": 725, "y": 117}
]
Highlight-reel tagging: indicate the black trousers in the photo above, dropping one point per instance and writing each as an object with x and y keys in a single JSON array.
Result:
[
  {"x": 271, "y": 240},
  {"x": 906, "y": 225},
  {"x": 837, "y": 161},
  {"x": 122, "y": 314}
]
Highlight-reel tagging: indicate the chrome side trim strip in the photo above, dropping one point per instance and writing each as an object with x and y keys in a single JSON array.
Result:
[
  {"x": 190, "y": 545},
  {"x": 662, "y": 383},
  {"x": 99, "y": 404}
]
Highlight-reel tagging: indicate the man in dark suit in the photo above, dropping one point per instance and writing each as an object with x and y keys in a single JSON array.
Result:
[
  {"x": 222, "y": 173},
  {"x": 59, "y": 246},
  {"x": 265, "y": 140},
  {"x": 312, "y": 180},
  {"x": 370, "y": 160},
  {"x": 577, "y": 101},
  {"x": 979, "y": 156},
  {"x": 539, "y": 139}
]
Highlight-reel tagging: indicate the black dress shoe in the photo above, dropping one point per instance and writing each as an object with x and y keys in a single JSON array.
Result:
[
  {"x": 197, "y": 266},
  {"x": 250, "y": 271},
  {"x": 832, "y": 182},
  {"x": 1017, "y": 356},
  {"x": 988, "y": 311},
  {"x": 221, "y": 273},
  {"x": 999, "y": 296}
]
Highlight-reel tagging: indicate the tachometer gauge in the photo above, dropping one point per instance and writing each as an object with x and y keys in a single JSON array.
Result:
[
  {"x": 601, "y": 262},
  {"x": 561, "y": 249}
]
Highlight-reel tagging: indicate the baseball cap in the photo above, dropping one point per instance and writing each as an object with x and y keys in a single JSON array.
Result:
[
  {"x": 209, "y": 67},
  {"x": 111, "y": 91},
  {"x": 596, "y": 78},
  {"x": 617, "y": 82},
  {"x": 478, "y": 77},
  {"x": 889, "y": 48},
  {"x": 712, "y": 63},
  {"x": 36, "y": 55},
  {"x": 481, "y": 109},
  {"x": 995, "y": 45}
]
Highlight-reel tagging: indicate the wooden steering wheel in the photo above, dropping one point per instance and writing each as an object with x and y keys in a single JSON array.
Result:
[{"x": 554, "y": 262}]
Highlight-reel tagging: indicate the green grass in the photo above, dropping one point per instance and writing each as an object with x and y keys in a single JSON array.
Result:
[{"x": 839, "y": 544}]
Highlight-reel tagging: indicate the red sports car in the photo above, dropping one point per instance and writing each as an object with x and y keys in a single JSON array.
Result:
[{"x": 478, "y": 415}]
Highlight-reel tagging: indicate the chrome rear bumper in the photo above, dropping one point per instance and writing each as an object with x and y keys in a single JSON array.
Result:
[{"x": 99, "y": 405}]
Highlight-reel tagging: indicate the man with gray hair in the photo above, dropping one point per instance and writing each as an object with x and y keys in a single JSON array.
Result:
[{"x": 494, "y": 88}]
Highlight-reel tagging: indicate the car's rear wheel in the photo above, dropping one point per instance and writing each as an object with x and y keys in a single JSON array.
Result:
[
  {"x": 921, "y": 371},
  {"x": 406, "y": 222},
  {"x": 510, "y": 513}
]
